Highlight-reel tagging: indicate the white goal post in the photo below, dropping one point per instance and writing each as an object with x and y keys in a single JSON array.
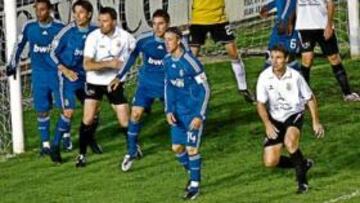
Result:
[
  {"x": 354, "y": 27},
  {"x": 14, "y": 85}
]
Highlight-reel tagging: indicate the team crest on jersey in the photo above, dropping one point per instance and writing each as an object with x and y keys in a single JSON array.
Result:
[
  {"x": 288, "y": 86},
  {"x": 44, "y": 32},
  {"x": 160, "y": 47},
  {"x": 173, "y": 65},
  {"x": 271, "y": 87},
  {"x": 181, "y": 73}
]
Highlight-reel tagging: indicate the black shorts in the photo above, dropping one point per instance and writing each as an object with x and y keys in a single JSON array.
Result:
[
  {"x": 310, "y": 37},
  {"x": 295, "y": 120},
  {"x": 96, "y": 92},
  {"x": 221, "y": 32}
]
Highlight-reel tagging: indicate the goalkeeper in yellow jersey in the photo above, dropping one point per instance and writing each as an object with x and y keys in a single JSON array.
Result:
[{"x": 208, "y": 16}]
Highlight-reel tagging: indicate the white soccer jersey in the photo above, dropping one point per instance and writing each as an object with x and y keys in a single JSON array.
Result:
[
  {"x": 285, "y": 96},
  {"x": 101, "y": 47},
  {"x": 311, "y": 14}
]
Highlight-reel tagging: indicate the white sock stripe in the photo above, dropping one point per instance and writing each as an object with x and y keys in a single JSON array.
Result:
[
  {"x": 43, "y": 119},
  {"x": 181, "y": 154},
  {"x": 65, "y": 119},
  {"x": 195, "y": 157}
]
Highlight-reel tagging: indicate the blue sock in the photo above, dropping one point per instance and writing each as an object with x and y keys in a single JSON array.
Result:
[
  {"x": 195, "y": 167},
  {"x": 62, "y": 126},
  {"x": 133, "y": 131},
  {"x": 183, "y": 158},
  {"x": 43, "y": 127}
]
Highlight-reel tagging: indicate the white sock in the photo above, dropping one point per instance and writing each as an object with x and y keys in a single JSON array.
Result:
[
  {"x": 240, "y": 75},
  {"x": 46, "y": 144},
  {"x": 194, "y": 184},
  {"x": 66, "y": 135}
]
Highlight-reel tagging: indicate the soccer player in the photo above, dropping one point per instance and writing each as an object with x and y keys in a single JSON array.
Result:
[
  {"x": 281, "y": 94},
  {"x": 209, "y": 16},
  {"x": 150, "y": 79},
  {"x": 39, "y": 33},
  {"x": 186, "y": 98},
  {"x": 315, "y": 22},
  {"x": 106, "y": 50},
  {"x": 283, "y": 31},
  {"x": 67, "y": 55}
]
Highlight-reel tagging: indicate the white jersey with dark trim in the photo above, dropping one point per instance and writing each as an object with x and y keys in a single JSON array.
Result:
[{"x": 311, "y": 14}]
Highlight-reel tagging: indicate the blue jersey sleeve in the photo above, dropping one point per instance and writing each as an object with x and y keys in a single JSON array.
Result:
[
  {"x": 18, "y": 49},
  {"x": 132, "y": 58},
  {"x": 58, "y": 45},
  {"x": 196, "y": 70}
]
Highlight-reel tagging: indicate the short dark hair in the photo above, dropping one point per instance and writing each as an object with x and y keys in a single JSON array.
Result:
[
  {"x": 280, "y": 48},
  {"x": 176, "y": 31},
  {"x": 110, "y": 11},
  {"x": 161, "y": 13},
  {"x": 47, "y": 2},
  {"x": 84, "y": 4}
]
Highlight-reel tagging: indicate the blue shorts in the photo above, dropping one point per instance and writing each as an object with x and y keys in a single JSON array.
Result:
[
  {"x": 69, "y": 91},
  {"x": 45, "y": 91},
  {"x": 144, "y": 97},
  {"x": 181, "y": 135}
]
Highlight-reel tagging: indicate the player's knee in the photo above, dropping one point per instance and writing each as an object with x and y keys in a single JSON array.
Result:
[
  {"x": 291, "y": 145},
  {"x": 136, "y": 116},
  {"x": 68, "y": 113},
  {"x": 334, "y": 59},
  {"x": 88, "y": 119},
  {"x": 271, "y": 162},
  {"x": 192, "y": 151},
  {"x": 178, "y": 149}
]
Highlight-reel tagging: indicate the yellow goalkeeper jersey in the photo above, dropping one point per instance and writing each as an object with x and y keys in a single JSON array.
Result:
[{"x": 205, "y": 12}]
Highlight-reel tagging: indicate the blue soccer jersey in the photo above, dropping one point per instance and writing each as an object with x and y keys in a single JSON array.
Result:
[
  {"x": 186, "y": 96},
  {"x": 39, "y": 37},
  {"x": 67, "y": 49},
  {"x": 285, "y": 10},
  {"x": 151, "y": 73},
  {"x": 68, "y": 46},
  {"x": 44, "y": 75}
]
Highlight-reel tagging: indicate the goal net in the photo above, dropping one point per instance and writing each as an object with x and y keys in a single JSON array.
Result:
[{"x": 251, "y": 32}]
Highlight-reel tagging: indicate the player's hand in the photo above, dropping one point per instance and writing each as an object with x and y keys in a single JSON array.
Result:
[
  {"x": 115, "y": 63},
  {"x": 328, "y": 32},
  {"x": 264, "y": 13},
  {"x": 271, "y": 131},
  {"x": 195, "y": 123},
  {"x": 114, "y": 84},
  {"x": 318, "y": 130},
  {"x": 11, "y": 71},
  {"x": 171, "y": 119},
  {"x": 69, "y": 74}
]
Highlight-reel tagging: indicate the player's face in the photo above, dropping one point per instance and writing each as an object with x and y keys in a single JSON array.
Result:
[
  {"x": 107, "y": 24},
  {"x": 81, "y": 15},
  {"x": 42, "y": 12},
  {"x": 278, "y": 60},
  {"x": 159, "y": 26},
  {"x": 172, "y": 42}
]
